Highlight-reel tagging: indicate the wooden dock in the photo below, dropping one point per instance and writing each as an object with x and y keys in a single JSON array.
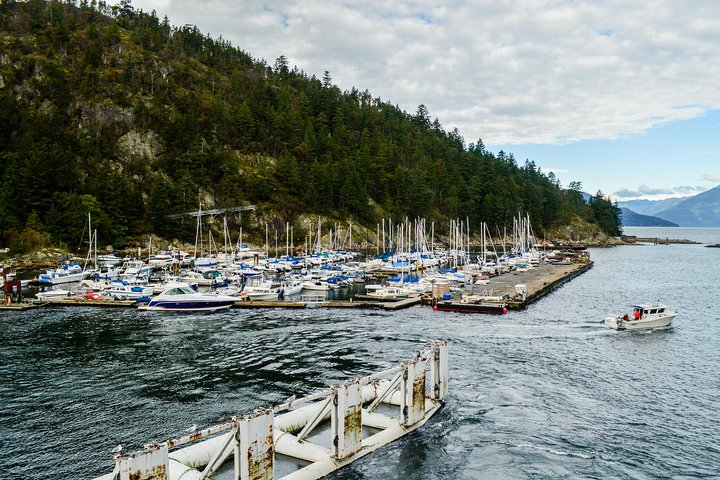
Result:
[
  {"x": 83, "y": 302},
  {"x": 267, "y": 304},
  {"x": 18, "y": 307}
]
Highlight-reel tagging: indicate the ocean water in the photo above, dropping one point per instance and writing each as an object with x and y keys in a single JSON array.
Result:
[{"x": 544, "y": 393}]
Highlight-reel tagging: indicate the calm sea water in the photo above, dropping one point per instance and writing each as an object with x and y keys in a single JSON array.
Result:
[{"x": 548, "y": 392}]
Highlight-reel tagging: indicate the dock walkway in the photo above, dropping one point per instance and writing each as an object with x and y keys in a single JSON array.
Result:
[{"x": 540, "y": 281}]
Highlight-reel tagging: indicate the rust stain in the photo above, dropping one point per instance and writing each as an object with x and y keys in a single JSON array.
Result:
[
  {"x": 353, "y": 426},
  {"x": 260, "y": 458},
  {"x": 158, "y": 472},
  {"x": 196, "y": 436},
  {"x": 418, "y": 395}
]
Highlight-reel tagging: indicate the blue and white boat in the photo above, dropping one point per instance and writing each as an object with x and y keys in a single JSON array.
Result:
[
  {"x": 122, "y": 290},
  {"x": 68, "y": 272},
  {"x": 179, "y": 297}
]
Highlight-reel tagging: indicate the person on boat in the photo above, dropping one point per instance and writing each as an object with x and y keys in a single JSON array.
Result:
[
  {"x": 625, "y": 317},
  {"x": 637, "y": 314}
]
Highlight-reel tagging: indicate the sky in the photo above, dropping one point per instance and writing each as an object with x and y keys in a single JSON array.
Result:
[{"x": 620, "y": 95}]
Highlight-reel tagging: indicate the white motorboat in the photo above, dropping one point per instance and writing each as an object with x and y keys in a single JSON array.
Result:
[
  {"x": 206, "y": 278},
  {"x": 654, "y": 315},
  {"x": 68, "y": 272},
  {"x": 259, "y": 293},
  {"x": 391, "y": 293},
  {"x": 135, "y": 269},
  {"x": 122, "y": 290},
  {"x": 291, "y": 286},
  {"x": 316, "y": 284},
  {"x": 54, "y": 294},
  {"x": 179, "y": 297}
]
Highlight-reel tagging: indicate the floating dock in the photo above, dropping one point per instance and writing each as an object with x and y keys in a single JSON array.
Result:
[
  {"x": 20, "y": 306},
  {"x": 83, "y": 302},
  {"x": 267, "y": 304},
  {"x": 362, "y": 414}
]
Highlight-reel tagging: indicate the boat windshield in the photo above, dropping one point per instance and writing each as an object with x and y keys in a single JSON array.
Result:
[{"x": 180, "y": 291}]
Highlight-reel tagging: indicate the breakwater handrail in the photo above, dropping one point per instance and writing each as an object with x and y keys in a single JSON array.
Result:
[{"x": 253, "y": 440}]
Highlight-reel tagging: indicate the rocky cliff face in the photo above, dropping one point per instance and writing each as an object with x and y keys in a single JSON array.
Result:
[{"x": 581, "y": 232}]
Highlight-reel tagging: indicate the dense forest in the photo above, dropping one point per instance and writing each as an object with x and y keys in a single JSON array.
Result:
[{"x": 113, "y": 111}]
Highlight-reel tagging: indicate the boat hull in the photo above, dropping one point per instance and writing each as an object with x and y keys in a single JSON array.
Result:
[
  {"x": 53, "y": 279},
  {"x": 188, "y": 306},
  {"x": 489, "y": 308},
  {"x": 258, "y": 296},
  {"x": 617, "y": 323}
]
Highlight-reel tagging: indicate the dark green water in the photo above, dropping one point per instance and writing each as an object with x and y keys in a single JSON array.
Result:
[{"x": 544, "y": 393}]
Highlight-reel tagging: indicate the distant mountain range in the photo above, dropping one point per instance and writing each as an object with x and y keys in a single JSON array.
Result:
[
  {"x": 633, "y": 219},
  {"x": 701, "y": 210},
  {"x": 651, "y": 207}
]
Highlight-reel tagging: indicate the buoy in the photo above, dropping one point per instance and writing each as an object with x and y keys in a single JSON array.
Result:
[
  {"x": 505, "y": 310},
  {"x": 434, "y": 307}
]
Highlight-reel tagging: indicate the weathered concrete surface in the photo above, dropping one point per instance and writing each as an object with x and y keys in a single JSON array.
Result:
[{"x": 539, "y": 281}]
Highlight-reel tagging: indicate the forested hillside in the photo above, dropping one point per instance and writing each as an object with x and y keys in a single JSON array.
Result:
[{"x": 111, "y": 110}]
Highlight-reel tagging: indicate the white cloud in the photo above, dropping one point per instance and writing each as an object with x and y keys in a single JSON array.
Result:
[
  {"x": 643, "y": 192},
  {"x": 547, "y": 71},
  {"x": 709, "y": 177}
]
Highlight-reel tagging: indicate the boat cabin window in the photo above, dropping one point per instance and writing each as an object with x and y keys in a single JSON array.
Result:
[
  {"x": 661, "y": 310},
  {"x": 654, "y": 310},
  {"x": 175, "y": 291}
]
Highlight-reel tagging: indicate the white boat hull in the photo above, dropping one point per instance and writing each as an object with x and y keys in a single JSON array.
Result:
[
  {"x": 60, "y": 279},
  {"x": 617, "y": 323},
  {"x": 53, "y": 295},
  {"x": 321, "y": 287},
  {"x": 258, "y": 296}
]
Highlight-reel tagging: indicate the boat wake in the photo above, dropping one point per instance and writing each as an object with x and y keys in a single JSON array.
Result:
[{"x": 550, "y": 450}]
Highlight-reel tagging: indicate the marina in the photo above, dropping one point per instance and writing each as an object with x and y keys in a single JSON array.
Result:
[
  {"x": 220, "y": 265},
  {"x": 538, "y": 282},
  {"x": 529, "y": 391}
]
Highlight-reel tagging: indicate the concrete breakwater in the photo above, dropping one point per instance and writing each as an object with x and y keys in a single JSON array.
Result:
[{"x": 632, "y": 240}]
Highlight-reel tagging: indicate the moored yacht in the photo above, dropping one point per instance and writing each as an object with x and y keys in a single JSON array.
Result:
[
  {"x": 68, "y": 272},
  {"x": 179, "y": 297}
]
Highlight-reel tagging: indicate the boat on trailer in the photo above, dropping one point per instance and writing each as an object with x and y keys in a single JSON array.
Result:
[{"x": 645, "y": 316}]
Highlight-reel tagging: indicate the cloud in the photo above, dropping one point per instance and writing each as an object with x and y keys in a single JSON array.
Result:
[
  {"x": 645, "y": 192},
  {"x": 547, "y": 71},
  {"x": 709, "y": 177}
]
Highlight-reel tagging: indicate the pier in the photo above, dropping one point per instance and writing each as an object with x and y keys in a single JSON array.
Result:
[
  {"x": 310, "y": 436},
  {"x": 514, "y": 290},
  {"x": 539, "y": 282}
]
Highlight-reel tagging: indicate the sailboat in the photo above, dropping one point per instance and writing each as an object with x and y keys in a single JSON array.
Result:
[{"x": 69, "y": 271}]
